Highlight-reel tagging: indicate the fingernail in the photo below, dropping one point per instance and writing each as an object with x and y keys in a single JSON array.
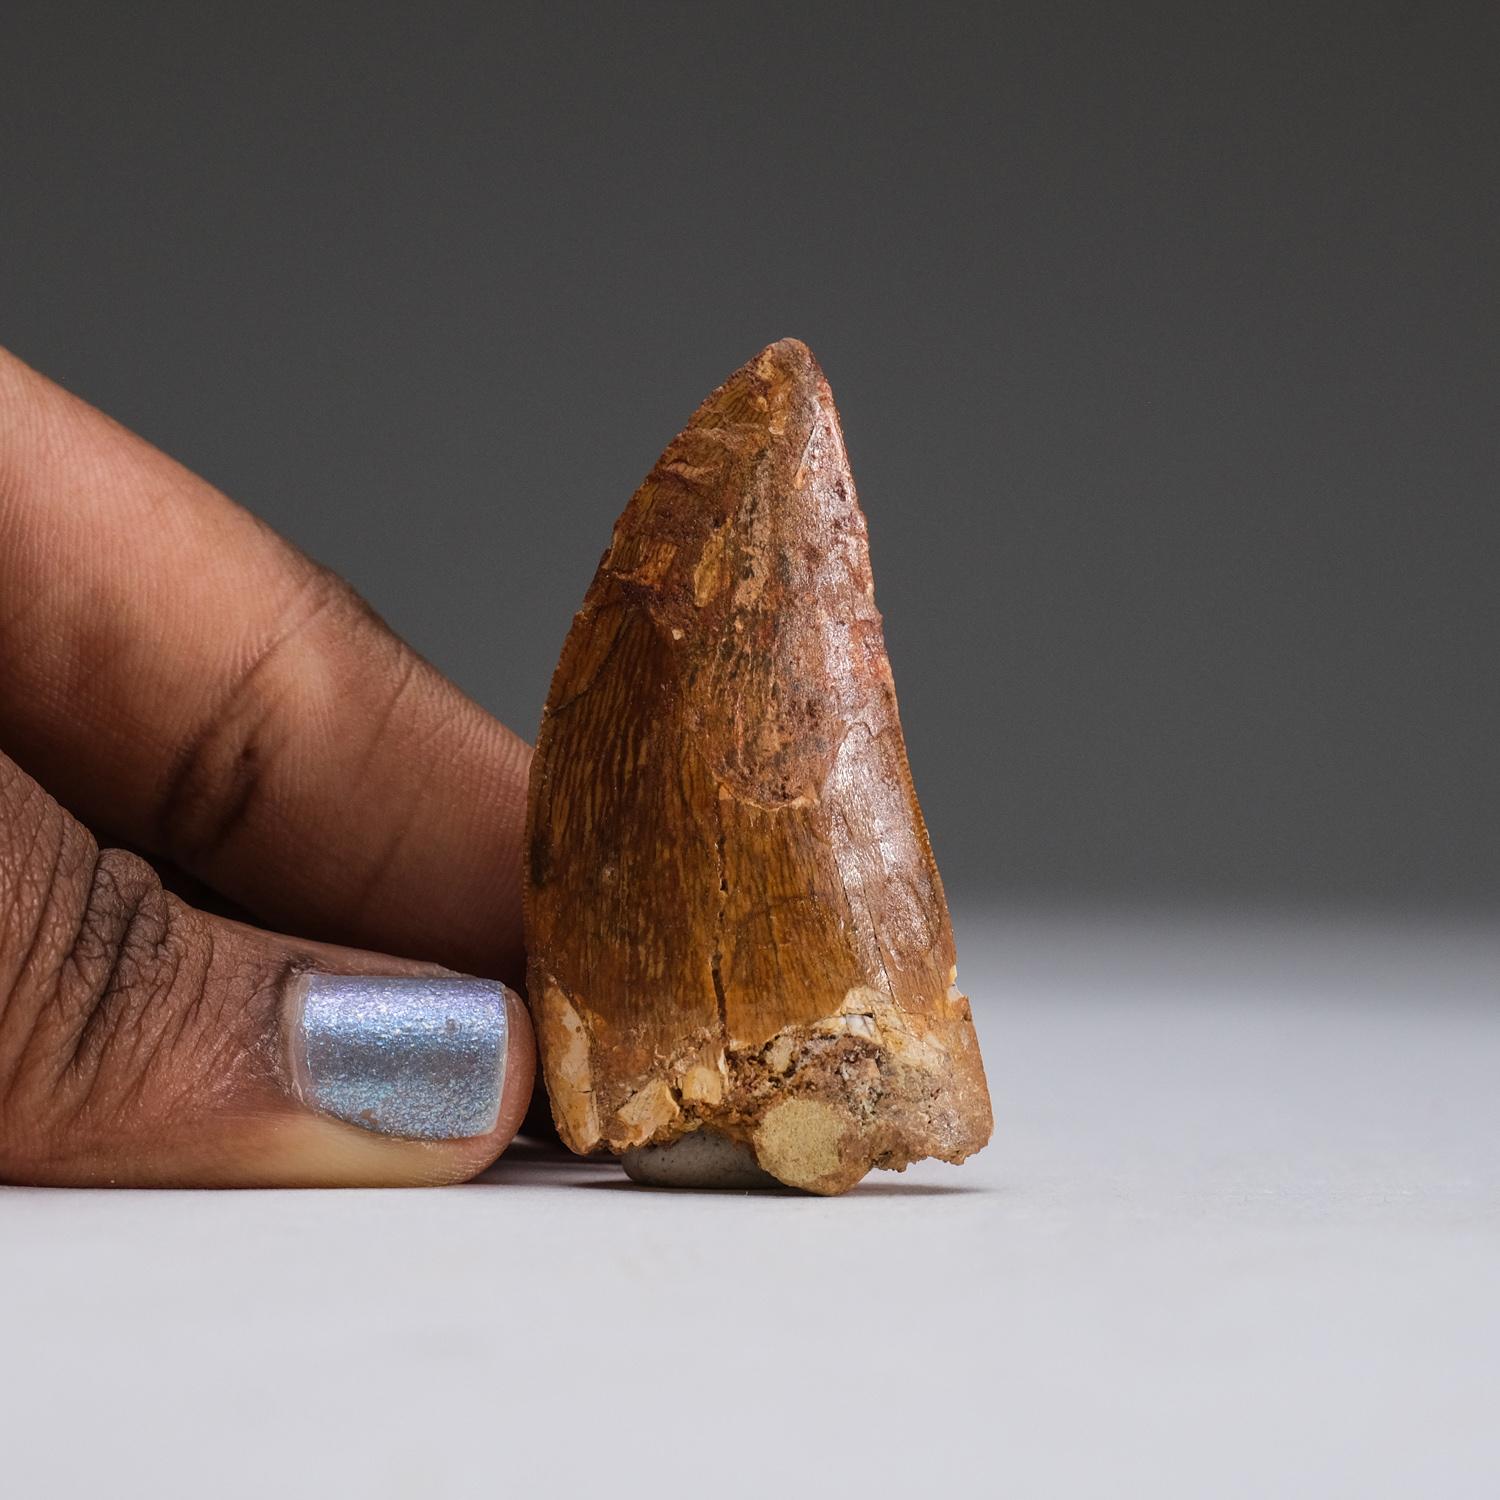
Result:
[{"x": 414, "y": 1057}]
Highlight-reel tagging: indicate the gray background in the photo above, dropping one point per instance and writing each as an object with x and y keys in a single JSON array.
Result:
[{"x": 1165, "y": 341}]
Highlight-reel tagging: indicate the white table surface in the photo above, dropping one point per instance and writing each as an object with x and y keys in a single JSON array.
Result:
[{"x": 1238, "y": 1235}]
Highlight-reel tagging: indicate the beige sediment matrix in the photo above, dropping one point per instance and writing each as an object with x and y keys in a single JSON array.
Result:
[{"x": 736, "y": 931}]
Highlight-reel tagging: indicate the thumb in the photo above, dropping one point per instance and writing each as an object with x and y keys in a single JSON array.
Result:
[{"x": 145, "y": 1043}]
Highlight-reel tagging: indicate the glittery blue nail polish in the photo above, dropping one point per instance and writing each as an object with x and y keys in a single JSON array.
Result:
[{"x": 414, "y": 1057}]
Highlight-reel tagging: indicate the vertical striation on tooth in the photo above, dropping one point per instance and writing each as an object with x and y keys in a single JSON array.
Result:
[{"x": 734, "y": 921}]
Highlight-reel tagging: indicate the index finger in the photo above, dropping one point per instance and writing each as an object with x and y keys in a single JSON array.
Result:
[{"x": 186, "y": 680}]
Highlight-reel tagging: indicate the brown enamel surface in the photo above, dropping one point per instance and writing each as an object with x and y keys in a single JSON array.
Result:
[{"x": 734, "y": 920}]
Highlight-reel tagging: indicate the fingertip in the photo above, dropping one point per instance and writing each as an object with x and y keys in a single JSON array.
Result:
[
  {"x": 520, "y": 1074},
  {"x": 412, "y": 1078}
]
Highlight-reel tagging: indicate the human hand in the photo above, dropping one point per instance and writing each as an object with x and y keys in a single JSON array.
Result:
[{"x": 187, "y": 684}]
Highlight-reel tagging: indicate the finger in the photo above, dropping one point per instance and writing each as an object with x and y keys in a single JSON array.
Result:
[
  {"x": 180, "y": 676},
  {"x": 145, "y": 1043}
]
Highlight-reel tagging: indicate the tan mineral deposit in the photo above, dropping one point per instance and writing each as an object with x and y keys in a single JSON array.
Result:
[{"x": 740, "y": 957}]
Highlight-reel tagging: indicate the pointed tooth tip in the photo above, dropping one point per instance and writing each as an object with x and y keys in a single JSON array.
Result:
[
  {"x": 790, "y": 357},
  {"x": 784, "y": 375},
  {"x": 787, "y": 364},
  {"x": 789, "y": 349}
]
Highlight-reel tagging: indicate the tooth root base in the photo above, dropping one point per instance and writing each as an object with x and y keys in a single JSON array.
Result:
[{"x": 815, "y": 1107}]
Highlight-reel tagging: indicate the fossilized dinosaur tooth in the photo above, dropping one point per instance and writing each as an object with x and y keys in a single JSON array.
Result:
[{"x": 735, "y": 928}]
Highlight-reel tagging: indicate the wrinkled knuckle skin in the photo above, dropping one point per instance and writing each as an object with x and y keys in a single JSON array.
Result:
[
  {"x": 133, "y": 955},
  {"x": 108, "y": 1025},
  {"x": 42, "y": 853}
]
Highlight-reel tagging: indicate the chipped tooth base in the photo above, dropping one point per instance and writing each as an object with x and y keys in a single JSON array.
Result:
[
  {"x": 703, "y": 1159},
  {"x": 815, "y": 1107}
]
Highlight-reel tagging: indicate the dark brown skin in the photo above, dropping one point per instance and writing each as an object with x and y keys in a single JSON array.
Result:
[
  {"x": 177, "y": 678},
  {"x": 734, "y": 920}
]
